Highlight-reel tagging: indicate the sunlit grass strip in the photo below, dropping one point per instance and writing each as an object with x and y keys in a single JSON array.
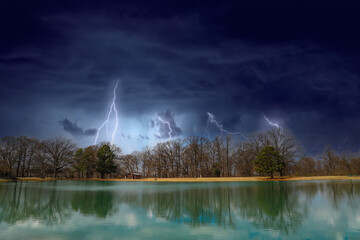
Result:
[{"x": 207, "y": 179}]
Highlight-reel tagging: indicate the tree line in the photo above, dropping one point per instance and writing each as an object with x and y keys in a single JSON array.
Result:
[{"x": 265, "y": 153}]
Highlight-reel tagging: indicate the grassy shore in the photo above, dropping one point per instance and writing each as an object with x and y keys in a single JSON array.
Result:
[
  {"x": 211, "y": 179},
  {"x": 28, "y": 179},
  {"x": 236, "y": 179}
]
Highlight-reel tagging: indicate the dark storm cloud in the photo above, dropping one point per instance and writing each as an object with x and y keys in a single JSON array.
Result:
[
  {"x": 290, "y": 60},
  {"x": 76, "y": 131},
  {"x": 143, "y": 137},
  {"x": 167, "y": 127},
  {"x": 90, "y": 132},
  {"x": 126, "y": 136}
]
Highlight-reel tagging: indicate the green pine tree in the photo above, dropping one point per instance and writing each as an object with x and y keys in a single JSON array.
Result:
[
  {"x": 268, "y": 161},
  {"x": 105, "y": 163}
]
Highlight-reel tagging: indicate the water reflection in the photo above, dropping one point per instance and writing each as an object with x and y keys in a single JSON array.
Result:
[
  {"x": 18, "y": 202},
  {"x": 272, "y": 205},
  {"x": 22, "y": 201},
  {"x": 280, "y": 206},
  {"x": 98, "y": 203}
]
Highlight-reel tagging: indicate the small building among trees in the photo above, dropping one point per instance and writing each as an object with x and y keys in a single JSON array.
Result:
[{"x": 133, "y": 176}]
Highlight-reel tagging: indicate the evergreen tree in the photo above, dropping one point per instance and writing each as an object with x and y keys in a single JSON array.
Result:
[
  {"x": 268, "y": 161},
  {"x": 105, "y": 163}
]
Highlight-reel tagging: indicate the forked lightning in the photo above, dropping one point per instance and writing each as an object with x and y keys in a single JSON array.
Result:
[{"x": 106, "y": 122}]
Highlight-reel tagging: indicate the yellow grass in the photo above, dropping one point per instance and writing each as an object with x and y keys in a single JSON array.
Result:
[
  {"x": 229, "y": 179},
  {"x": 36, "y": 179},
  {"x": 28, "y": 179},
  {"x": 245, "y": 179},
  {"x": 207, "y": 179}
]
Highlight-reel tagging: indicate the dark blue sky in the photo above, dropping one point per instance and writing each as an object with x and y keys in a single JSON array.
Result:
[{"x": 297, "y": 62}]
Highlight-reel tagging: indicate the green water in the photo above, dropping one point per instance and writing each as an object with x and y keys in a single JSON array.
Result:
[{"x": 135, "y": 210}]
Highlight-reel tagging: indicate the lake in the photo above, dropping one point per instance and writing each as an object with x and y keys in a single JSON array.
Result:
[{"x": 143, "y": 210}]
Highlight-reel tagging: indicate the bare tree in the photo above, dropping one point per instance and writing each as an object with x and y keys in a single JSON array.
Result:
[
  {"x": 59, "y": 152},
  {"x": 192, "y": 154},
  {"x": 218, "y": 154},
  {"x": 148, "y": 167},
  {"x": 177, "y": 153},
  {"x": 131, "y": 162},
  {"x": 8, "y": 147},
  {"x": 330, "y": 161},
  {"x": 40, "y": 165},
  {"x": 355, "y": 164},
  {"x": 25, "y": 150},
  {"x": 345, "y": 162},
  {"x": 306, "y": 166},
  {"x": 33, "y": 145},
  {"x": 244, "y": 159},
  {"x": 228, "y": 157}
]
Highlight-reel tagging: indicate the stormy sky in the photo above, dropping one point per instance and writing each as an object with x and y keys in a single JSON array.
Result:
[{"x": 296, "y": 62}]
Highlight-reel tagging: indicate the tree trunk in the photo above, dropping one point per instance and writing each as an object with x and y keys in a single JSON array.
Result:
[
  {"x": 18, "y": 168},
  {"x": 28, "y": 169},
  {"x": 10, "y": 170}
]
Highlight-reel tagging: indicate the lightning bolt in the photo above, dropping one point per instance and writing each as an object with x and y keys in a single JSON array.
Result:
[
  {"x": 165, "y": 122},
  {"x": 106, "y": 122},
  {"x": 271, "y": 123},
  {"x": 211, "y": 119}
]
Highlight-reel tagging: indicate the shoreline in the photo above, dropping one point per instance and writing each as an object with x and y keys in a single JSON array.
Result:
[{"x": 205, "y": 179}]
